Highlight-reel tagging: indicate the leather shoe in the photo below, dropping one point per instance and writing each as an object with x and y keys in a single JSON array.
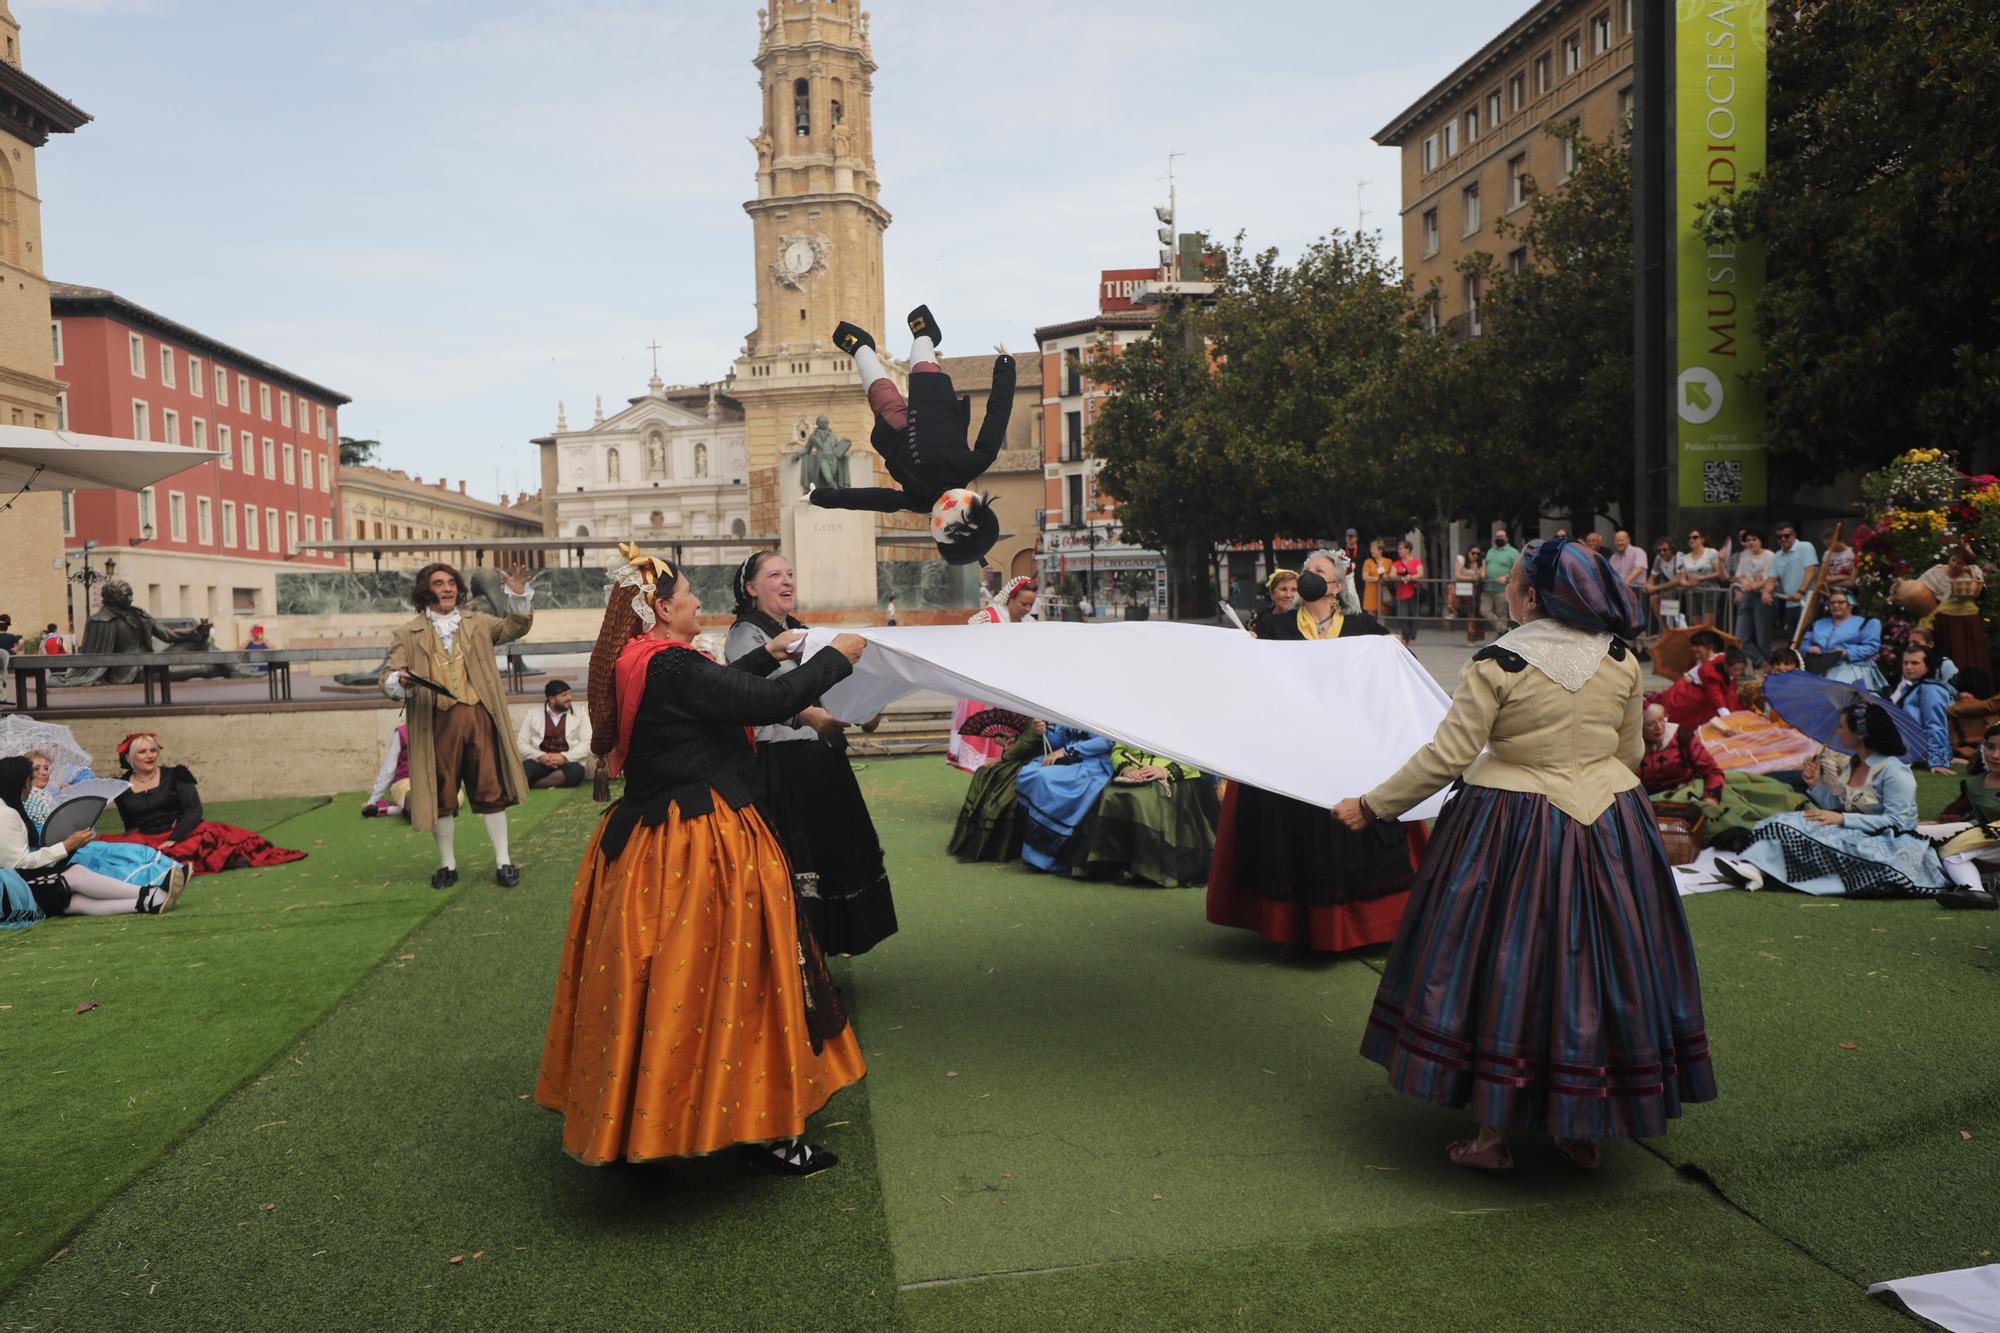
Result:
[
  {"x": 923, "y": 324},
  {"x": 507, "y": 876},
  {"x": 444, "y": 878},
  {"x": 848, "y": 337}
]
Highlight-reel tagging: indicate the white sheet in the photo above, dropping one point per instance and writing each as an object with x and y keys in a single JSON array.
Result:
[
  {"x": 1965, "y": 1300},
  {"x": 1314, "y": 721}
]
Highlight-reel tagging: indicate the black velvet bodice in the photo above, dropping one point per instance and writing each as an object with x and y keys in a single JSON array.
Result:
[{"x": 172, "y": 807}]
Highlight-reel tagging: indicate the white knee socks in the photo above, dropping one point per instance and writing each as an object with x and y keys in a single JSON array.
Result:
[
  {"x": 869, "y": 366},
  {"x": 496, "y": 833},
  {"x": 923, "y": 349},
  {"x": 447, "y": 828}
]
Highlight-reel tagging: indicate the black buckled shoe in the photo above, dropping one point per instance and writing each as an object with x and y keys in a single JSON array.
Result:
[
  {"x": 923, "y": 324},
  {"x": 1968, "y": 899},
  {"x": 445, "y": 877},
  {"x": 507, "y": 876},
  {"x": 794, "y": 1157},
  {"x": 849, "y": 337}
]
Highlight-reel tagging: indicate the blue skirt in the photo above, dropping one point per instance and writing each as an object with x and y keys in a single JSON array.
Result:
[
  {"x": 1543, "y": 974},
  {"x": 127, "y": 862}
]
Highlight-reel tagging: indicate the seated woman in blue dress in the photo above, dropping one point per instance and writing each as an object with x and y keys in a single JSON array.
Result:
[
  {"x": 1922, "y": 695},
  {"x": 1850, "y": 642},
  {"x": 1058, "y": 790},
  {"x": 1861, "y": 838}
]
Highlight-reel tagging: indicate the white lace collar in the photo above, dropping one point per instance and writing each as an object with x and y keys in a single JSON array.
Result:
[
  {"x": 1566, "y": 655},
  {"x": 446, "y": 625}
]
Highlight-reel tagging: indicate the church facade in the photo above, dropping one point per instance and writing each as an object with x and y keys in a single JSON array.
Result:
[{"x": 668, "y": 467}]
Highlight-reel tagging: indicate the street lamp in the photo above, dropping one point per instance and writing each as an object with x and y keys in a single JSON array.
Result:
[{"x": 87, "y": 578}]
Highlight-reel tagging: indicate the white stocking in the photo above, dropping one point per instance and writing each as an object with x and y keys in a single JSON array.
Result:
[
  {"x": 1963, "y": 869},
  {"x": 496, "y": 833},
  {"x": 869, "y": 366},
  {"x": 447, "y": 830},
  {"x": 923, "y": 349}
]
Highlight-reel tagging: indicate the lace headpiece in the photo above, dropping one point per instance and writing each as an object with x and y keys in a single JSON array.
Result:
[{"x": 643, "y": 573}]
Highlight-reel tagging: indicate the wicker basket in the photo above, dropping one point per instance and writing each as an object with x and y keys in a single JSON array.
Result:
[{"x": 1680, "y": 829}]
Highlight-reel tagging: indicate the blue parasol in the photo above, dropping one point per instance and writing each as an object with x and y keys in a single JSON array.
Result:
[{"x": 1813, "y": 705}]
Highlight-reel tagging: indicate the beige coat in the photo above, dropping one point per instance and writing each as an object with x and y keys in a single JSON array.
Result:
[
  {"x": 410, "y": 650},
  {"x": 1579, "y": 749}
]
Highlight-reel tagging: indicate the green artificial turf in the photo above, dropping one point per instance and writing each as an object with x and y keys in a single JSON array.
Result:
[
  {"x": 335, "y": 1189},
  {"x": 1673, "y": 1258},
  {"x": 1087, "y": 1109},
  {"x": 191, "y": 1004}
]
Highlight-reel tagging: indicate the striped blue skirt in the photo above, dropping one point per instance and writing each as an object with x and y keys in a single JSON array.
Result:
[{"x": 1543, "y": 974}]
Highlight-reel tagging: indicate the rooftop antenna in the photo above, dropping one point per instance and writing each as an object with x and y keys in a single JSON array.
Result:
[
  {"x": 1170, "y": 255},
  {"x": 1360, "y": 207}
]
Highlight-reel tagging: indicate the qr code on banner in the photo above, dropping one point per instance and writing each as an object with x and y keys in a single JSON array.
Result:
[{"x": 1722, "y": 483}]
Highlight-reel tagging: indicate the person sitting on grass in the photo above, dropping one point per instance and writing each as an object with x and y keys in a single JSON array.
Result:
[
  {"x": 391, "y": 793},
  {"x": 922, "y": 442},
  {"x": 554, "y": 740},
  {"x": 1920, "y": 694},
  {"x": 59, "y": 886},
  {"x": 1710, "y": 688},
  {"x": 1860, "y": 838},
  {"x": 1974, "y": 710},
  {"x": 1947, "y": 670}
]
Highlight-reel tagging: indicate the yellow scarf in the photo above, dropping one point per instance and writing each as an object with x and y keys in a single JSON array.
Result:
[{"x": 1309, "y": 625}]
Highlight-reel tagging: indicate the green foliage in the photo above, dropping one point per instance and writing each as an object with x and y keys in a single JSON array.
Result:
[
  {"x": 358, "y": 453},
  {"x": 1880, "y": 322}
]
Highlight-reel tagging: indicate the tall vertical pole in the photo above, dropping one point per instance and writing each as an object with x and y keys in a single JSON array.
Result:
[{"x": 1652, "y": 210}]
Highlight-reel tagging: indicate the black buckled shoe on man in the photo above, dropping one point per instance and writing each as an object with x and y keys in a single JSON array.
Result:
[
  {"x": 923, "y": 324},
  {"x": 445, "y": 877},
  {"x": 507, "y": 876},
  {"x": 849, "y": 337}
]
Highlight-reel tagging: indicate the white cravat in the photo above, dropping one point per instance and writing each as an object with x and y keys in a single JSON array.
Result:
[{"x": 445, "y": 625}]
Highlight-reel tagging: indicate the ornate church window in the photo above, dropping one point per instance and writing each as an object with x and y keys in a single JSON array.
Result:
[
  {"x": 737, "y": 528},
  {"x": 836, "y": 113},
  {"x": 802, "y": 108},
  {"x": 612, "y": 469},
  {"x": 582, "y": 531},
  {"x": 701, "y": 460}
]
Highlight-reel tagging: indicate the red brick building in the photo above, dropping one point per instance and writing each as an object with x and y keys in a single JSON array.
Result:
[{"x": 209, "y": 541}]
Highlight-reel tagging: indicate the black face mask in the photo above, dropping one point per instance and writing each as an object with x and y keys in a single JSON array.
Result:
[
  {"x": 1312, "y": 587},
  {"x": 1499, "y": 543}
]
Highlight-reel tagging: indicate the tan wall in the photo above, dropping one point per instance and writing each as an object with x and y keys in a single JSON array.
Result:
[
  {"x": 31, "y": 548},
  {"x": 242, "y": 756}
]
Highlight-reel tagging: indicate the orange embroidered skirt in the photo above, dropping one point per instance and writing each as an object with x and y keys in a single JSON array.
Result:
[{"x": 680, "y": 1026}]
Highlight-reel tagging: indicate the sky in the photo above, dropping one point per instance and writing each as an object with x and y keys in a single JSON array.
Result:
[{"x": 460, "y": 213}]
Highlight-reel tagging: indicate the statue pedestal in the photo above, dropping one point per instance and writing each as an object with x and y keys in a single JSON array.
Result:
[{"x": 833, "y": 550}]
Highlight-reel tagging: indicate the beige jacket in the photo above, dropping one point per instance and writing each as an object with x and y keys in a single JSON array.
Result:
[
  {"x": 410, "y": 650},
  {"x": 1578, "y": 749}
]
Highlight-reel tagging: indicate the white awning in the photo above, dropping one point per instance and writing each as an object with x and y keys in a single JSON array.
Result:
[{"x": 63, "y": 460}]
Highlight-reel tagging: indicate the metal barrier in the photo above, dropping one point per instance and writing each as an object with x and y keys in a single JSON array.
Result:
[{"x": 156, "y": 669}]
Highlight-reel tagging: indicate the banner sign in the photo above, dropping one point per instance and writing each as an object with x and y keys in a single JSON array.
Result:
[{"x": 1718, "y": 146}]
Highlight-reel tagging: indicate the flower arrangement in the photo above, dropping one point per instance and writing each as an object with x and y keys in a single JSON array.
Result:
[{"x": 1919, "y": 507}]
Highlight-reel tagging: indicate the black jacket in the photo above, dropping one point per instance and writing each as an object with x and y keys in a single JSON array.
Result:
[
  {"x": 688, "y": 741},
  {"x": 929, "y": 456}
]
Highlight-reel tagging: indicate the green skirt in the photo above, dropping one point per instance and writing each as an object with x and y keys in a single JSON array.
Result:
[
  {"x": 987, "y": 828},
  {"x": 1747, "y": 798},
  {"x": 1160, "y": 833}
]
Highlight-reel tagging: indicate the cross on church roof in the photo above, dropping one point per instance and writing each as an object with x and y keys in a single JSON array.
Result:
[{"x": 654, "y": 348}]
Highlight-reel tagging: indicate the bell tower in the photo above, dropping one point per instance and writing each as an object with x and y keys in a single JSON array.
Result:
[{"x": 818, "y": 226}]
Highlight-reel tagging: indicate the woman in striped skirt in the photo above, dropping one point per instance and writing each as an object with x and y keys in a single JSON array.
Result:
[{"x": 1542, "y": 974}]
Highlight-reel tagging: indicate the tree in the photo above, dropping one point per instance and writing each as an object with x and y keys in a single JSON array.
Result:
[
  {"x": 1292, "y": 343},
  {"x": 1880, "y": 321},
  {"x": 1551, "y": 370},
  {"x": 1168, "y": 475},
  {"x": 357, "y": 453}
]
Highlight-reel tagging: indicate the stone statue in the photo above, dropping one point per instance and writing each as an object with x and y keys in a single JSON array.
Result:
[
  {"x": 761, "y": 141},
  {"x": 843, "y": 141},
  {"x": 823, "y": 458},
  {"x": 120, "y": 627}
]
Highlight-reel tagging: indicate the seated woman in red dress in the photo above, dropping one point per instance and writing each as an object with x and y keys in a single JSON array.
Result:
[{"x": 163, "y": 811}]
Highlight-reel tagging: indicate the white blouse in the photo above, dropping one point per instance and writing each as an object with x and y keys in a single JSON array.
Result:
[{"x": 14, "y": 853}]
